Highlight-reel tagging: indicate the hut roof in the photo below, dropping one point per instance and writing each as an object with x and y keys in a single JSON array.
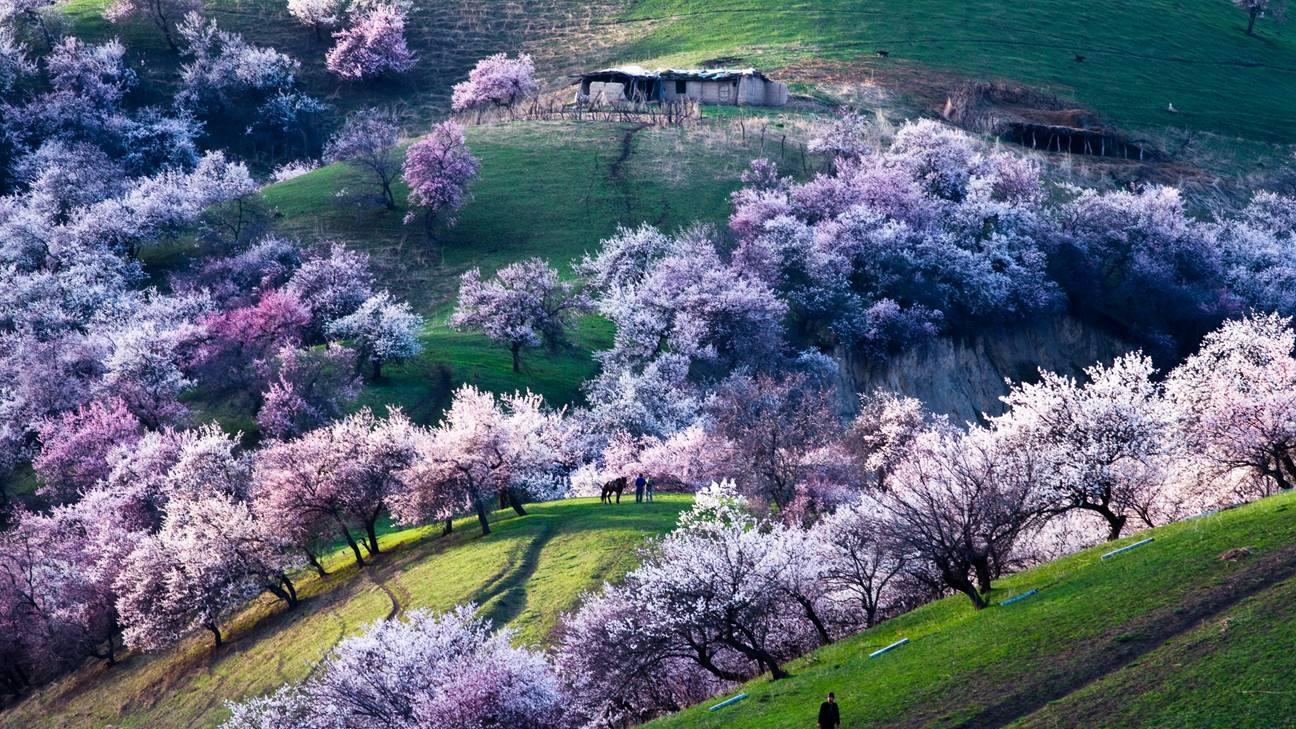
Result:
[{"x": 675, "y": 74}]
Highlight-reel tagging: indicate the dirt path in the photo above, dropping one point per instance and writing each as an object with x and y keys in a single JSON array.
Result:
[{"x": 616, "y": 172}]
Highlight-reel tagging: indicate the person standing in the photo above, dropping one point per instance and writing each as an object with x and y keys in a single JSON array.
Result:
[
  {"x": 640, "y": 482},
  {"x": 649, "y": 487},
  {"x": 829, "y": 713}
]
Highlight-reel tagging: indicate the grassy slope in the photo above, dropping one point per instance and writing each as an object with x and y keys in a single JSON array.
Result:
[
  {"x": 448, "y": 37},
  {"x": 1146, "y": 626},
  {"x": 526, "y": 574},
  {"x": 546, "y": 189},
  {"x": 1139, "y": 56}
]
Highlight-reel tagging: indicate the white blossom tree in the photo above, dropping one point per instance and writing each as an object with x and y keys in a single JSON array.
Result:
[
  {"x": 1236, "y": 403},
  {"x": 381, "y": 330},
  {"x": 426, "y": 670}
]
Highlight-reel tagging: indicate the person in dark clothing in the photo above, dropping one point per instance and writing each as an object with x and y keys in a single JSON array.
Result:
[
  {"x": 649, "y": 487},
  {"x": 640, "y": 482},
  {"x": 829, "y": 714}
]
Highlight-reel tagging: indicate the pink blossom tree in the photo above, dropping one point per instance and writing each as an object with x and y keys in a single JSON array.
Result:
[
  {"x": 863, "y": 566},
  {"x": 297, "y": 490},
  {"x": 526, "y": 304},
  {"x": 381, "y": 330},
  {"x": 377, "y": 451},
  {"x": 496, "y": 81},
  {"x": 308, "y": 388},
  {"x": 374, "y": 45},
  {"x": 210, "y": 557},
  {"x": 437, "y": 169},
  {"x": 771, "y": 426},
  {"x": 882, "y": 432},
  {"x": 483, "y": 449},
  {"x": 448, "y": 670},
  {"x": 367, "y": 141},
  {"x": 75, "y": 447},
  {"x": 960, "y": 504}
]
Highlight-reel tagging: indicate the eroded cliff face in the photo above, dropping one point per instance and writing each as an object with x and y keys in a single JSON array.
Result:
[{"x": 964, "y": 377}]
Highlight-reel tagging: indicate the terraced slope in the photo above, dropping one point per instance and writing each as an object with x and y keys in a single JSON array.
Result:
[
  {"x": 525, "y": 574},
  {"x": 1166, "y": 635}
]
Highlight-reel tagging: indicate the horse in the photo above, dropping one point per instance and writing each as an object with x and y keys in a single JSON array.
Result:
[{"x": 616, "y": 486}]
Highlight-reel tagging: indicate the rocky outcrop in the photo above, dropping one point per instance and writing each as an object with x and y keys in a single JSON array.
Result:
[{"x": 963, "y": 377}]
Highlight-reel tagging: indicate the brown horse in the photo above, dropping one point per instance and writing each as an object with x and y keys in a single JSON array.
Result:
[{"x": 616, "y": 486}]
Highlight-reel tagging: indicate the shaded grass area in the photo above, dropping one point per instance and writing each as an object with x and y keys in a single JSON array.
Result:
[
  {"x": 546, "y": 189},
  {"x": 526, "y": 574},
  {"x": 1138, "y": 57},
  {"x": 1091, "y": 619}
]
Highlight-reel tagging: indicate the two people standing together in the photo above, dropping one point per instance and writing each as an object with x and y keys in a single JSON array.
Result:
[{"x": 644, "y": 488}]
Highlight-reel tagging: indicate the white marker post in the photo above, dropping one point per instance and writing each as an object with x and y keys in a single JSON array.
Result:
[
  {"x": 1126, "y": 548},
  {"x": 891, "y": 647},
  {"x": 727, "y": 702},
  {"x": 1019, "y": 598}
]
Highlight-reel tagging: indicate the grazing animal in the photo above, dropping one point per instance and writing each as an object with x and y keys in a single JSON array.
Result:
[
  {"x": 615, "y": 486},
  {"x": 883, "y": 54}
]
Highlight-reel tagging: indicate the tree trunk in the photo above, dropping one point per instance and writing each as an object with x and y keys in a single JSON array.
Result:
[
  {"x": 291, "y": 590},
  {"x": 813, "y": 617},
  {"x": 481, "y": 516},
  {"x": 389, "y": 200},
  {"x": 1115, "y": 523},
  {"x": 515, "y": 348},
  {"x": 314, "y": 561},
  {"x": 515, "y": 502},
  {"x": 375, "y": 371},
  {"x": 215, "y": 631},
  {"x": 965, "y": 586},
  {"x": 983, "y": 576},
  {"x": 449, "y": 527},
  {"x": 1251, "y": 22},
  {"x": 371, "y": 531},
  {"x": 355, "y": 548}
]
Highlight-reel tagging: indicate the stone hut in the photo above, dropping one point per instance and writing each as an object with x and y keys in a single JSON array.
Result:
[{"x": 633, "y": 84}]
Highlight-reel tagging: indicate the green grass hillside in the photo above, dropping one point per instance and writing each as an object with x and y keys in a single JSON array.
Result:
[
  {"x": 1139, "y": 57},
  {"x": 525, "y": 574},
  {"x": 1166, "y": 635},
  {"x": 547, "y": 189}
]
